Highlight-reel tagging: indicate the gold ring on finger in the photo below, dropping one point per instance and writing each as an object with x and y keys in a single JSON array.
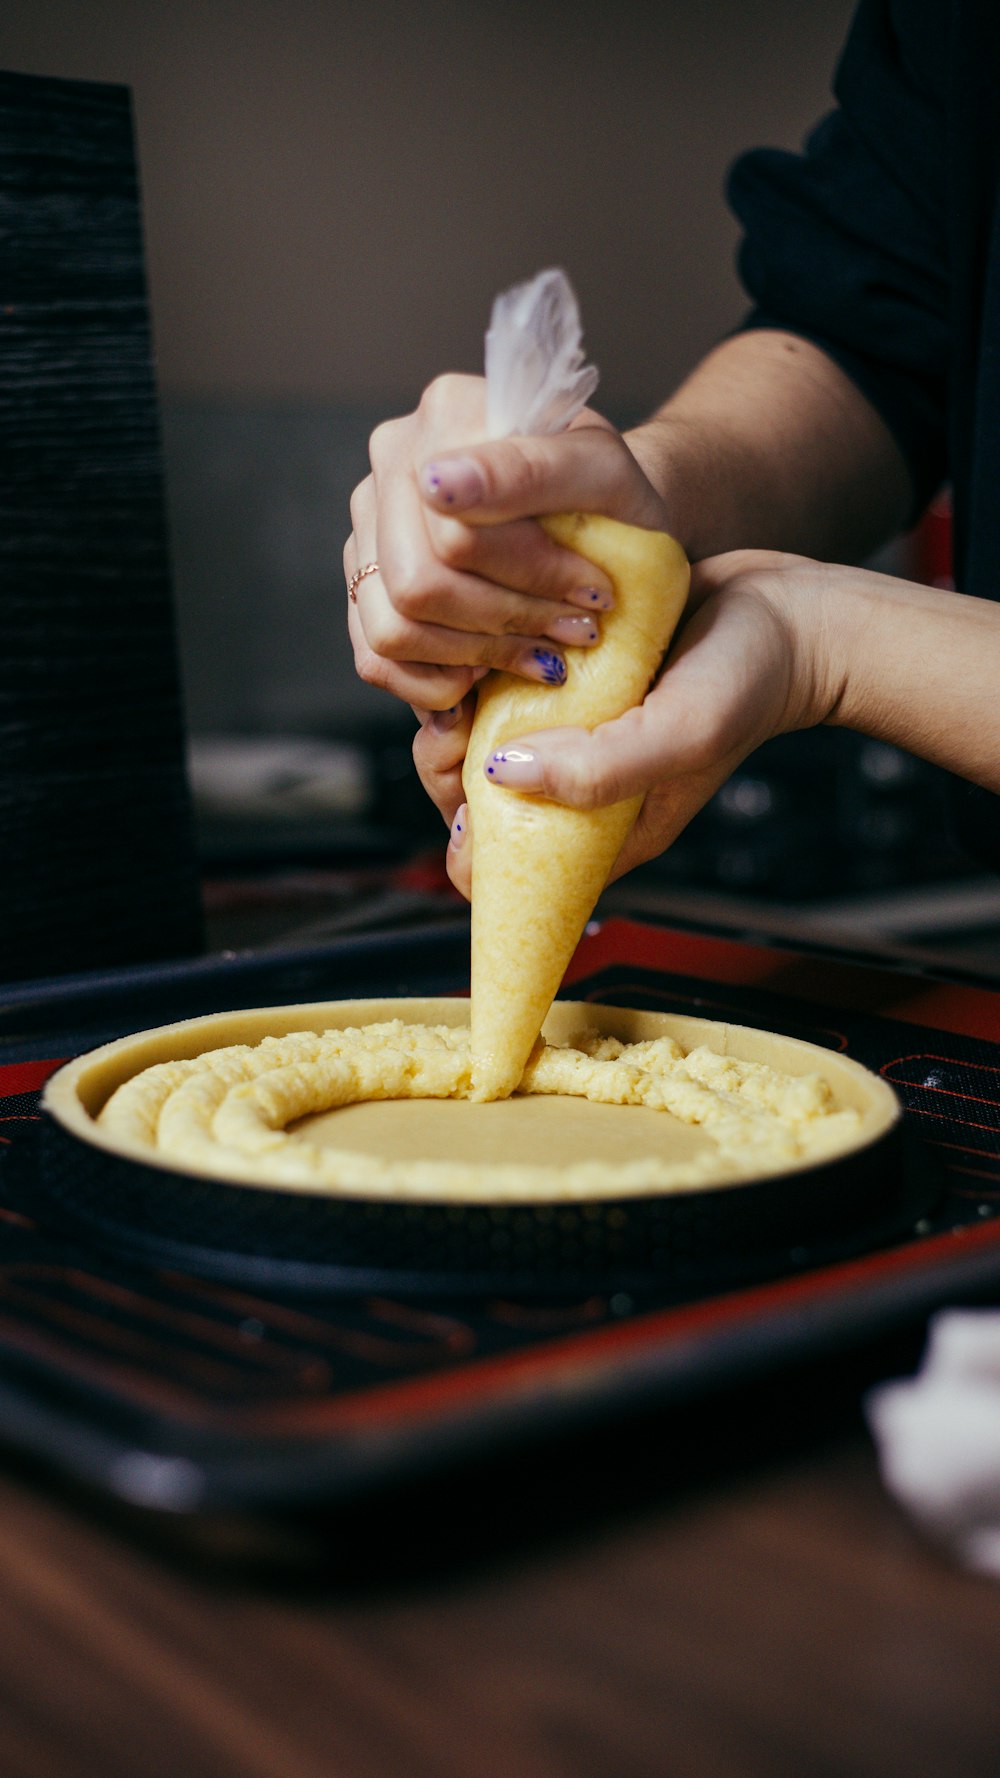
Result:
[{"x": 357, "y": 577}]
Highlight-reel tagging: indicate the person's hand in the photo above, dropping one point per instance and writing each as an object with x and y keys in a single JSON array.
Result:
[
  {"x": 466, "y": 580},
  {"x": 752, "y": 660}
]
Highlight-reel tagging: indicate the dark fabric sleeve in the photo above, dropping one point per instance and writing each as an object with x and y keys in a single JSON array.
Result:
[{"x": 846, "y": 244}]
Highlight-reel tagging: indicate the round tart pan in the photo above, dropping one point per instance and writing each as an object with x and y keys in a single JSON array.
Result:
[{"x": 281, "y": 1237}]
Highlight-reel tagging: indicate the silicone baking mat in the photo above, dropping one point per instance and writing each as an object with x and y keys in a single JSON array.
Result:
[{"x": 183, "y": 1395}]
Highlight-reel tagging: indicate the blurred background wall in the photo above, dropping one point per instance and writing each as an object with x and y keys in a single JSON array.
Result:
[{"x": 335, "y": 190}]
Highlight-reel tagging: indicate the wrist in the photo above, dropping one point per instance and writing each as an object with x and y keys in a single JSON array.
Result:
[
  {"x": 817, "y": 605},
  {"x": 673, "y": 459}
]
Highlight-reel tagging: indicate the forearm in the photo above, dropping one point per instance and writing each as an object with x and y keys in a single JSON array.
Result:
[
  {"x": 769, "y": 445},
  {"x": 914, "y": 666}
]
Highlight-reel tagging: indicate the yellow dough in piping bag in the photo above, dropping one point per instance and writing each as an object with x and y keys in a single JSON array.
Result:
[{"x": 538, "y": 866}]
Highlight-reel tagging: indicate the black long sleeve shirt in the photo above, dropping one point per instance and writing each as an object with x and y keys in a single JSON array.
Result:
[{"x": 881, "y": 243}]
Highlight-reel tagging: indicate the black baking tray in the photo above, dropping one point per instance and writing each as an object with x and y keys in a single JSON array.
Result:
[{"x": 188, "y": 1394}]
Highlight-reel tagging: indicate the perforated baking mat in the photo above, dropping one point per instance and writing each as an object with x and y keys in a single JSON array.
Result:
[{"x": 183, "y": 1394}]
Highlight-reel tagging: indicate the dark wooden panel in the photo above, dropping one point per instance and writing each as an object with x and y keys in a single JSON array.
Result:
[{"x": 95, "y": 828}]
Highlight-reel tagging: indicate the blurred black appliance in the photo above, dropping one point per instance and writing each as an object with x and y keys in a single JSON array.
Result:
[{"x": 97, "y": 864}]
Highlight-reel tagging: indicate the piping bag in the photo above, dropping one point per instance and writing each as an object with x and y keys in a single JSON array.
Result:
[{"x": 539, "y": 866}]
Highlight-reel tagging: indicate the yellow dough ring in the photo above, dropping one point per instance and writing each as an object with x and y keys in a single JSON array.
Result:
[
  {"x": 539, "y": 1192},
  {"x": 538, "y": 866}
]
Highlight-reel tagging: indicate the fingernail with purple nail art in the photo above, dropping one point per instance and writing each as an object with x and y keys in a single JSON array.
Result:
[
  {"x": 460, "y": 827},
  {"x": 454, "y": 481},
  {"x": 576, "y": 632},
  {"x": 543, "y": 664},
  {"x": 591, "y": 598},
  {"x": 515, "y": 767},
  {"x": 443, "y": 720}
]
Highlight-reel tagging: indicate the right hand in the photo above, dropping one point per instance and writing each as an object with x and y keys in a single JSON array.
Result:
[
  {"x": 759, "y": 653},
  {"x": 467, "y": 580}
]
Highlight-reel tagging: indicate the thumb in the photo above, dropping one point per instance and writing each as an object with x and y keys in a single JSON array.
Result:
[
  {"x": 589, "y": 468},
  {"x": 589, "y": 769}
]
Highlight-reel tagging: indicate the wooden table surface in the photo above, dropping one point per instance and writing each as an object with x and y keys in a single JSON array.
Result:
[{"x": 724, "y": 1592}]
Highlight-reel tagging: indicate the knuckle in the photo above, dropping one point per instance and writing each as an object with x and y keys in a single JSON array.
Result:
[
  {"x": 361, "y": 501},
  {"x": 619, "y": 466},
  {"x": 578, "y": 787},
  {"x": 456, "y": 545},
  {"x": 387, "y": 637},
  {"x": 607, "y": 439},
  {"x": 454, "y": 685},
  {"x": 497, "y": 652},
  {"x": 413, "y": 591},
  {"x": 373, "y": 669},
  {"x": 445, "y": 394},
  {"x": 442, "y": 783},
  {"x": 383, "y": 443},
  {"x": 422, "y": 765},
  {"x": 526, "y": 618},
  {"x": 508, "y": 637},
  {"x": 608, "y": 788},
  {"x": 429, "y": 767},
  {"x": 510, "y": 472},
  {"x": 580, "y": 784}
]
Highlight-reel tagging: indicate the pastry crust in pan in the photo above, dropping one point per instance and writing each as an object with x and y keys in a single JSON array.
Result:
[{"x": 706, "y": 1110}]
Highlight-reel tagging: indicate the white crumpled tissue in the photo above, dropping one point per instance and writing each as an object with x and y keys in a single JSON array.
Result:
[
  {"x": 536, "y": 378},
  {"x": 938, "y": 1436}
]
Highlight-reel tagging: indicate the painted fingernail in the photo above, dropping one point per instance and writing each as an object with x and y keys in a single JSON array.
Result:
[
  {"x": 443, "y": 720},
  {"x": 460, "y": 827},
  {"x": 455, "y": 481},
  {"x": 591, "y": 598},
  {"x": 515, "y": 767},
  {"x": 578, "y": 632},
  {"x": 543, "y": 664}
]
